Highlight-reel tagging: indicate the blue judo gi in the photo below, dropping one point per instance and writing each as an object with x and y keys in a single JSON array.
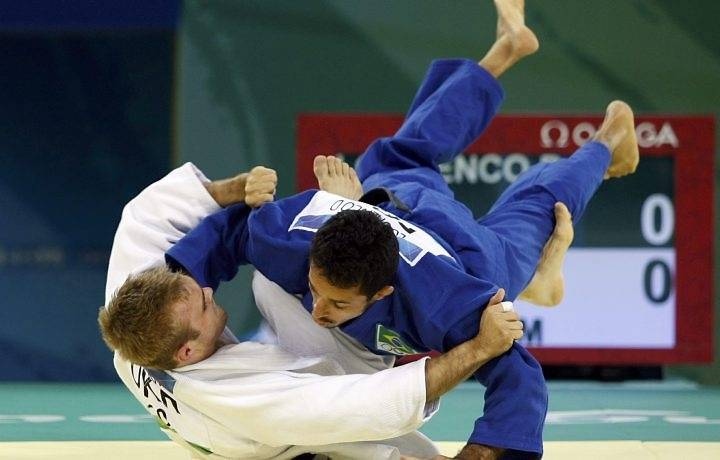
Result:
[{"x": 439, "y": 292}]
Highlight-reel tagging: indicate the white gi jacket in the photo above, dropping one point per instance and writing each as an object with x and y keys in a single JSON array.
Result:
[{"x": 318, "y": 390}]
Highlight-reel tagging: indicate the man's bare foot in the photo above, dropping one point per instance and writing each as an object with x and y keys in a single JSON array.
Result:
[
  {"x": 480, "y": 452},
  {"x": 501, "y": 27},
  {"x": 618, "y": 134},
  {"x": 547, "y": 286},
  {"x": 336, "y": 176},
  {"x": 514, "y": 39}
]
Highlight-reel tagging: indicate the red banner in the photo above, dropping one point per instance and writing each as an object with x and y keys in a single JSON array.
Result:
[{"x": 687, "y": 140}]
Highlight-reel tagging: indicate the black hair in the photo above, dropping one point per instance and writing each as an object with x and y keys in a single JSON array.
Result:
[{"x": 356, "y": 249}]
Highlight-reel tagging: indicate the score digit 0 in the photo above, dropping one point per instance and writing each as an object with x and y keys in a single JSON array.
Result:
[{"x": 657, "y": 278}]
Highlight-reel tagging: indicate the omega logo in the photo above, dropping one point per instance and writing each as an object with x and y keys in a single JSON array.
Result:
[{"x": 557, "y": 134}]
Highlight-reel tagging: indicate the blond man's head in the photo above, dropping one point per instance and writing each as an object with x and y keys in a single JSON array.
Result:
[{"x": 140, "y": 321}]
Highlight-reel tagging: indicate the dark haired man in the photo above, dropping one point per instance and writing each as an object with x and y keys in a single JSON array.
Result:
[{"x": 450, "y": 264}]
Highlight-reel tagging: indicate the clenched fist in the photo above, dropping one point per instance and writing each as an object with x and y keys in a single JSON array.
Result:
[
  {"x": 260, "y": 185},
  {"x": 253, "y": 188},
  {"x": 498, "y": 328}
]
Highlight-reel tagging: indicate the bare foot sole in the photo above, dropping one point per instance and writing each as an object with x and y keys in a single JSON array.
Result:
[
  {"x": 514, "y": 39},
  {"x": 547, "y": 286},
  {"x": 618, "y": 133},
  {"x": 336, "y": 176}
]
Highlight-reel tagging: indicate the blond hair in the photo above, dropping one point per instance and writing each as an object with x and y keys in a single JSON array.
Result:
[{"x": 138, "y": 322}]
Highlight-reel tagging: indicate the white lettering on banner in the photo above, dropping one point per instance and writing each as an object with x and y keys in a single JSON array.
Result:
[
  {"x": 414, "y": 242},
  {"x": 514, "y": 165},
  {"x": 546, "y": 134},
  {"x": 583, "y": 133},
  {"x": 490, "y": 168},
  {"x": 555, "y": 134},
  {"x": 649, "y": 136},
  {"x": 486, "y": 162},
  {"x": 466, "y": 167}
]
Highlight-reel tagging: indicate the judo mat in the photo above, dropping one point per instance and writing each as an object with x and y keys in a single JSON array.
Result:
[{"x": 645, "y": 420}]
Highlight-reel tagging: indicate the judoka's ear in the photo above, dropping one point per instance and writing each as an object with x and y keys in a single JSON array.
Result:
[
  {"x": 184, "y": 354},
  {"x": 382, "y": 293}
]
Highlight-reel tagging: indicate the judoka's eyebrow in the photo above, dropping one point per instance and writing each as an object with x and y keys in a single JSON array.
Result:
[{"x": 312, "y": 287}]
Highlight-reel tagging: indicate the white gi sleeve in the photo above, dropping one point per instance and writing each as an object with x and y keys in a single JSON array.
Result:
[
  {"x": 281, "y": 408},
  {"x": 155, "y": 220}
]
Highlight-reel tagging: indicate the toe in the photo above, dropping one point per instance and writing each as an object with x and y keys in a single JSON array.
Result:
[
  {"x": 335, "y": 167},
  {"x": 320, "y": 166}
]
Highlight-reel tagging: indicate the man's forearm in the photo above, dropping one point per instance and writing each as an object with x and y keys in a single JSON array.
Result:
[
  {"x": 445, "y": 372},
  {"x": 228, "y": 191}
]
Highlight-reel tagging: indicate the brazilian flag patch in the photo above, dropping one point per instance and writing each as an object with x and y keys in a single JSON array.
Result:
[{"x": 390, "y": 341}]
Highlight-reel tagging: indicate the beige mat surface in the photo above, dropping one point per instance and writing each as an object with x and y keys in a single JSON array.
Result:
[
  {"x": 165, "y": 450},
  {"x": 617, "y": 450}
]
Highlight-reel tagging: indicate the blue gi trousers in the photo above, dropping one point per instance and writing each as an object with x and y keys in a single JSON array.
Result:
[{"x": 503, "y": 247}]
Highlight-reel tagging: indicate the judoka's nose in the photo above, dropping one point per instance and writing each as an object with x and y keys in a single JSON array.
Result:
[
  {"x": 321, "y": 312},
  {"x": 320, "y": 307}
]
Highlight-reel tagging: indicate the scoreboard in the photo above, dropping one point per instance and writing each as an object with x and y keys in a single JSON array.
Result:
[{"x": 639, "y": 275}]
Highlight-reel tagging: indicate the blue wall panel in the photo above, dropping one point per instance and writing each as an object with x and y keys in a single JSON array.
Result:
[{"x": 84, "y": 125}]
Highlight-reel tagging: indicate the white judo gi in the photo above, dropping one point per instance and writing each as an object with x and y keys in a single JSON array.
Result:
[{"x": 317, "y": 390}]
